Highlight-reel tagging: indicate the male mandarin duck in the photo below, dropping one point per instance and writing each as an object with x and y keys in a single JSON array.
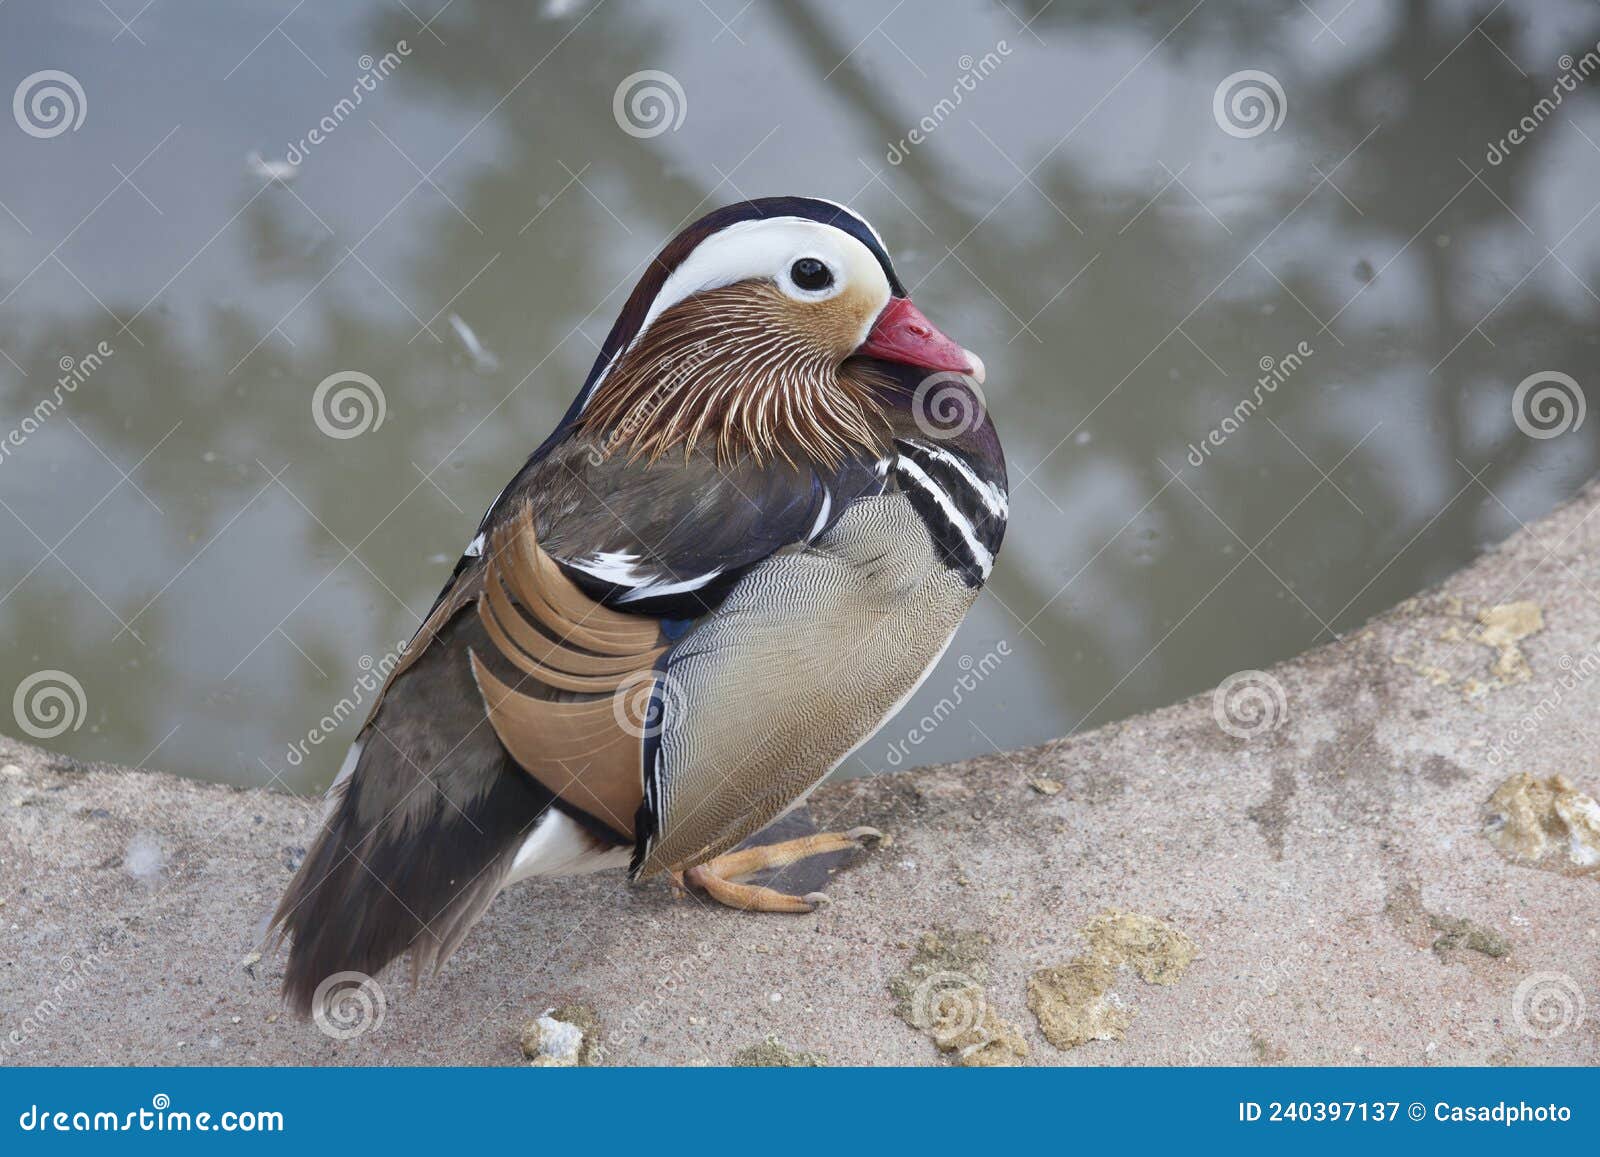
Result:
[{"x": 743, "y": 548}]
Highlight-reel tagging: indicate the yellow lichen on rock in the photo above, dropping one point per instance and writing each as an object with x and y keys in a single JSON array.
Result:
[
  {"x": 942, "y": 993},
  {"x": 1500, "y": 628},
  {"x": 1503, "y": 627},
  {"x": 1075, "y": 1003},
  {"x": 772, "y": 1053},
  {"x": 1438, "y": 676},
  {"x": 1157, "y": 951},
  {"x": 991, "y": 1043},
  {"x": 1548, "y": 824}
]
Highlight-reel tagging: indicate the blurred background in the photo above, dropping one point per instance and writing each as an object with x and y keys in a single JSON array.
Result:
[{"x": 1135, "y": 212}]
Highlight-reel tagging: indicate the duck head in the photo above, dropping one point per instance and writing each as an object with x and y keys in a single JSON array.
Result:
[{"x": 756, "y": 331}]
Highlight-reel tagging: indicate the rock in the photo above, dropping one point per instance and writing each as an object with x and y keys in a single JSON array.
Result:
[
  {"x": 941, "y": 993},
  {"x": 1459, "y": 932},
  {"x": 770, "y": 1054},
  {"x": 1505, "y": 626},
  {"x": 1549, "y": 824},
  {"x": 1377, "y": 778},
  {"x": 144, "y": 859},
  {"x": 561, "y": 1037},
  {"x": 1075, "y": 1002}
]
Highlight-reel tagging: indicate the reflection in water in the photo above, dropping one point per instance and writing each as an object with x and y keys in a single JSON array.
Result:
[{"x": 1255, "y": 385}]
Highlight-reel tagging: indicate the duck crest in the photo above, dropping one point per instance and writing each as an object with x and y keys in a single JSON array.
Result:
[{"x": 730, "y": 369}]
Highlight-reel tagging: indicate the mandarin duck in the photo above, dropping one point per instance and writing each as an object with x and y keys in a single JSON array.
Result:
[{"x": 746, "y": 544}]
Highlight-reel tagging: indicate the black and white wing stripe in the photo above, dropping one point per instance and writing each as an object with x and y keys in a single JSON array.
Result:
[{"x": 965, "y": 511}]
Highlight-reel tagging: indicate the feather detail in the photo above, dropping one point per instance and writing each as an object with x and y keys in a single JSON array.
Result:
[
  {"x": 563, "y": 644},
  {"x": 748, "y": 370}
]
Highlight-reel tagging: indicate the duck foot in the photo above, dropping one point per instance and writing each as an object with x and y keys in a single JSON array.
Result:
[{"x": 718, "y": 878}]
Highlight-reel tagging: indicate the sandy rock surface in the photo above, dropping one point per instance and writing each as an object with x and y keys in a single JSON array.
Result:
[{"x": 1385, "y": 851}]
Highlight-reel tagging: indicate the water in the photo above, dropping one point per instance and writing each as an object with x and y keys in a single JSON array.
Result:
[{"x": 217, "y": 574}]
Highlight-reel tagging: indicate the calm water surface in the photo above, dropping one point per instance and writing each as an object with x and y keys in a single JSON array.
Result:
[{"x": 183, "y": 540}]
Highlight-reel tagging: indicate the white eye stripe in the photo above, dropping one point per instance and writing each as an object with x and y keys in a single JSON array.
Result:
[{"x": 768, "y": 248}]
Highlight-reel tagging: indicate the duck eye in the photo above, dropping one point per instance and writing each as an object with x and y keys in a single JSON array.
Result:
[{"x": 811, "y": 274}]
